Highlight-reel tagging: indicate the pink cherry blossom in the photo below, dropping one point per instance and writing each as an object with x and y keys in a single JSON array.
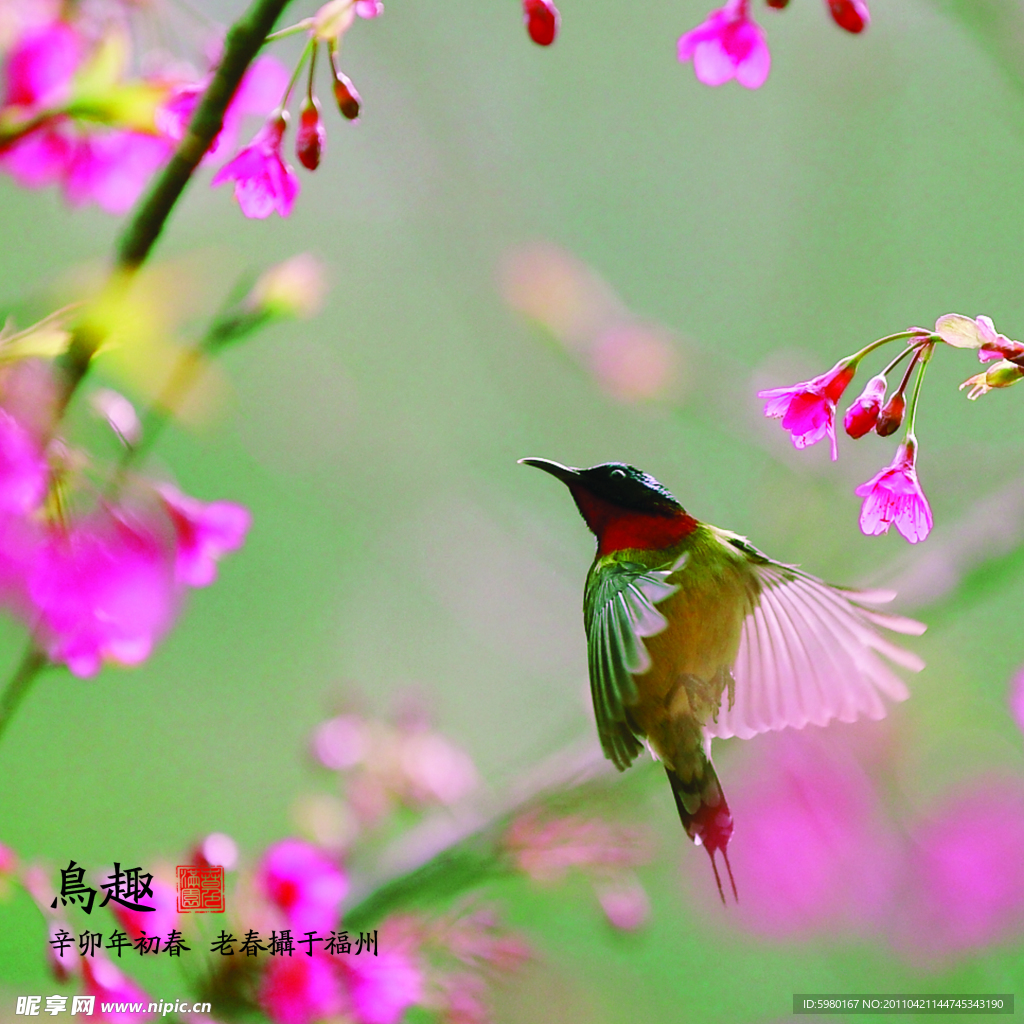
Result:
[
  {"x": 301, "y": 989},
  {"x": 808, "y": 409},
  {"x": 383, "y": 987},
  {"x": 108, "y": 986},
  {"x": 205, "y": 532},
  {"x": 863, "y": 414},
  {"x": 305, "y": 883},
  {"x": 264, "y": 183},
  {"x": 894, "y": 496},
  {"x": 727, "y": 45},
  {"x": 24, "y": 475},
  {"x": 112, "y": 168},
  {"x": 40, "y": 158},
  {"x": 41, "y": 65},
  {"x": 966, "y": 877},
  {"x": 103, "y": 590}
]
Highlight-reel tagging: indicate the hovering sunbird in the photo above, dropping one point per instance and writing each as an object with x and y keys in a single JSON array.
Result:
[{"x": 692, "y": 634}]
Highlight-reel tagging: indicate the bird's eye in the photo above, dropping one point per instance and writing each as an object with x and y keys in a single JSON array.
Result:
[{"x": 619, "y": 473}]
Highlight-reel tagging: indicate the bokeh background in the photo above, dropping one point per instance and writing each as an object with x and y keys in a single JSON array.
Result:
[{"x": 582, "y": 253}]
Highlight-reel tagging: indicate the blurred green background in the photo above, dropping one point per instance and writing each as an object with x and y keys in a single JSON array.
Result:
[{"x": 874, "y": 183}]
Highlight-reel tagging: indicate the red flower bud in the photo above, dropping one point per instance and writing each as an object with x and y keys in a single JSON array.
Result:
[
  {"x": 863, "y": 414},
  {"x": 890, "y": 418},
  {"x": 852, "y": 15},
  {"x": 348, "y": 98},
  {"x": 542, "y": 20},
  {"x": 309, "y": 141},
  {"x": 777, "y": 4}
]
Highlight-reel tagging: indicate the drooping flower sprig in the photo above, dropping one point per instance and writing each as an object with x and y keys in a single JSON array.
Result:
[
  {"x": 894, "y": 496},
  {"x": 730, "y": 44}
]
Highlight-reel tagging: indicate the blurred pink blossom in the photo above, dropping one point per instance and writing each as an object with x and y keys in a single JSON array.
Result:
[
  {"x": 966, "y": 874},
  {"x": 727, "y": 45},
  {"x": 369, "y": 8},
  {"x": 852, "y": 15},
  {"x": 894, "y": 497},
  {"x": 103, "y": 590},
  {"x": 1017, "y": 698},
  {"x": 24, "y": 475},
  {"x": 383, "y": 987},
  {"x": 624, "y": 901},
  {"x": 264, "y": 182},
  {"x": 301, "y": 989},
  {"x": 205, "y": 532},
  {"x": 41, "y": 65},
  {"x": 108, "y": 985},
  {"x": 304, "y": 882},
  {"x": 815, "y": 853},
  {"x": 808, "y": 409},
  {"x": 112, "y": 168}
]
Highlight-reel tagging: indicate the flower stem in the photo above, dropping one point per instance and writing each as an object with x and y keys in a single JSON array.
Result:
[
  {"x": 899, "y": 359},
  {"x": 293, "y": 30},
  {"x": 32, "y": 663},
  {"x": 243, "y": 42},
  {"x": 924, "y": 357},
  {"x": 298, "y": 71},
  {"x": 917, "y": 332}
]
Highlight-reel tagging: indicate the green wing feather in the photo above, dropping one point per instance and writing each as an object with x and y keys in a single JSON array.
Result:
[{"x": 618, "y": 612}]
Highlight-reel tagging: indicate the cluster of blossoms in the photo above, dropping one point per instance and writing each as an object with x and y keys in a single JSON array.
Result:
[
  {"x": 73, "y": 115},
  {"x": 95, "y": 577},
  {"x": 893, "y": 497},
  {"x": 730, "y": 44}
]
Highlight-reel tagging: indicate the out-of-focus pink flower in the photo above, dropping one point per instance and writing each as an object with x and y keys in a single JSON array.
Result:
[
  {"x": 40, "y": 158},
  {"x": 111, "y": 168},
  {"x": 383, "y": 987},
  {"x": 894, "y": 496},
  {"x": 464, "y": 999},
  {"x": 8, "y": 861},
  {"x": 158, "y": 921},
  {"x": 727, "y": 45},
  {"x": 369, "y": 8},
  {"x": 205, "y": 533},
  {"x": 23, "y": 470},
  {"x": 301, "y": 989},
  {"x": 545, "y": 848},
  {"x": 108, "y": 985},
  {"x": 41, "y": 65},
  {"x": 853, "y": 15},
  {"x": 478, "y": 939},
  {"x": 258, "y": 93},
  {"x": 625, "y": 902},
  {"x": 305, "y": 883},
  {"x": 103, "y": 590},
  {"x": 437, "y": 771},
  {"x": 808, "y": 409},
  {"x": 966, "y": 874},
  {"x": 264, "y": 183},
  {"x": 1017, "y": 698},
  {"x": 863, "y": 414},
  {"x": 542, "y": 19},
  {"x": 816, "y": 853}
]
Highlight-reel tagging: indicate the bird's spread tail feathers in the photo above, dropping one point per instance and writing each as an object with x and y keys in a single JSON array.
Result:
[{"x": 705, "y": 815}]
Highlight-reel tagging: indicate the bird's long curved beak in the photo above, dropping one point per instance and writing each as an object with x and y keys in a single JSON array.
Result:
[{"x": 567, "y": 474}]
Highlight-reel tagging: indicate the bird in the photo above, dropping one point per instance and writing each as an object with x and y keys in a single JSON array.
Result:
[{"x": 694, "y": 634}]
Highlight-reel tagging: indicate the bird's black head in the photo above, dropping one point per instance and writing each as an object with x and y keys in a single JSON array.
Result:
[{"x": 617, "y": 483}]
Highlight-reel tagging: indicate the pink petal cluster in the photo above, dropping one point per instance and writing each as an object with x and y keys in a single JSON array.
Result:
[
  {"x": 158, "y": 921},
  {"x": 97, "y": 163},
  {"x": 264, "y": 182},
  {"x": 108, "y": 985},
  {"x": 381, "y": 988},
  {"x": 301, "y": 989},
  {"x": 808, "y": 409},
  {"x": 729, "y": 44},
  {"x": 305, "y": 883},
  {"x": 894, "y": 497}
]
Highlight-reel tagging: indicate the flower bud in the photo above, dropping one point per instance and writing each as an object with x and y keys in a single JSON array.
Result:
[
  {"x": 777, "y": 4},
  {"x": 309, "y": 141},
  {"x": 292, "y": 288},
  {"x": 890, "y": 418},
  {"x": 348, "y": 98},
  {"x": 852, "y": 15},
  {"x": 542, "y": 20},
  {"x": 863, "y": 414},
  {"x": 1003, "y": 374}
]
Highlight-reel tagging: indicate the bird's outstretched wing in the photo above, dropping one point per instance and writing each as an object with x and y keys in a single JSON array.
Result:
[
  {"x": 618, "y": 612},
  {"x": 810, "y": 653}
]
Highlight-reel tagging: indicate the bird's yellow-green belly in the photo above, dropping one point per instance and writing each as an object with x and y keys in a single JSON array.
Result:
[{"x": 690, "y": 660}]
